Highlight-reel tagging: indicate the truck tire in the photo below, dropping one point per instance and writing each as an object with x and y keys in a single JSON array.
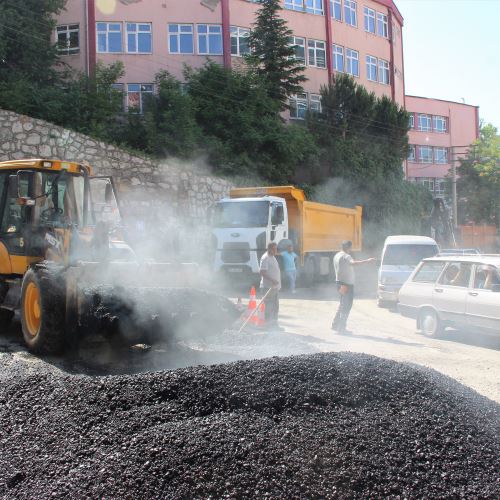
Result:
[{"x": 43, "y": 309}]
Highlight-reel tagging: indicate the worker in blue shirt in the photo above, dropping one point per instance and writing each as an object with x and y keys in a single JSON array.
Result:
[{"x": 289, "y": 267}]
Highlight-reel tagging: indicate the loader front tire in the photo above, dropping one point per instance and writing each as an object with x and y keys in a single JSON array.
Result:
[{"x": 43, "y": 309}]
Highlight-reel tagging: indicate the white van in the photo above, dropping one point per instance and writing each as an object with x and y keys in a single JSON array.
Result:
[{"x": 400, "y": 256}]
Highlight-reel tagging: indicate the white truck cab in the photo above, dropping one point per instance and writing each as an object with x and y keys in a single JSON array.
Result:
[{"x": 243, "y": 227}]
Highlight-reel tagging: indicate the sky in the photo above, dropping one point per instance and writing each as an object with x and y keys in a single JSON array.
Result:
[{"x": 452, "y": 52}]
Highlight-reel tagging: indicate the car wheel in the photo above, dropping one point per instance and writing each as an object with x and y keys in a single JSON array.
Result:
[{"x": 429, "y": 323}]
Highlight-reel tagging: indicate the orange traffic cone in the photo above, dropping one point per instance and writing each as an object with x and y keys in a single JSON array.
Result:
[
  {"x": 261, "y": 316},
  {"x": 252, "y": 305}
]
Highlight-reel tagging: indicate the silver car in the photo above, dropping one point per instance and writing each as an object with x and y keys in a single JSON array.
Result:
[{"x": 453, "y": 291}]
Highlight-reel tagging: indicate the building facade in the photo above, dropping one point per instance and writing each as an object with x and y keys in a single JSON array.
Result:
[
  {"x": 359, "y": 37},
  {"x": 440, "y": 134}
]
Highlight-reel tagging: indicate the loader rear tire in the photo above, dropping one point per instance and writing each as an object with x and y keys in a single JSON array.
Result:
[{"x": 43, "y": 309}]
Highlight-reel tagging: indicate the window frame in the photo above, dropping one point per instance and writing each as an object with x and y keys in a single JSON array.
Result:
[
  {"x": 351, "y": 13},
  {"x": 293, "y": 39},
  {"x": 238, "y": 37},
  {"x": 370, "y": 62},
  {"x": 336, "y": 54},
  {"x": 316, "y": 107},
  {"x": 107, "y": 34},
  {"x": 369, "y": 14},
  {"x": 137, "y": 32},
  {"x": 440, "y": 161},
  {"x": 69, "y": 28},
  {"x": 421, "y": 157},
  {"x": 315, "y": 50},
  {"x": 307, "y": 6},
  {"x": 412, "y": 148},
  {"x": 140, "y": 109},
  {"x": 382, "y": 21},
  {"x": 440, "y": 119},
  {"x": 419, "y": 122},
  {"x": 348, "y": 61},
  {"x": 384, "y": 68},
  {"x": 294, "y": 98},
  {"x": 207, "y": 35},
  {"x": 333, "y": 4},
  {"x": 460, "y": 264},
  {"x": 177, "y": 34}
]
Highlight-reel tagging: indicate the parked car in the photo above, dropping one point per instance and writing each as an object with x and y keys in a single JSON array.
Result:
[
  {"x": 453, "y": 291},
  {"x": 400, "y": 256}
]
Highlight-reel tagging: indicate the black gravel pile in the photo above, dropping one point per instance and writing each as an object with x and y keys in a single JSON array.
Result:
[{"x": 320, "y": 426}]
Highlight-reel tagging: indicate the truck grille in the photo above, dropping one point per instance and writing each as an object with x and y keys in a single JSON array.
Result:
[{"x": 234, "y": 253}]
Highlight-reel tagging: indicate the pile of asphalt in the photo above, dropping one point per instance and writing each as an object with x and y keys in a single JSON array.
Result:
[{"x": 319, "y": 426}]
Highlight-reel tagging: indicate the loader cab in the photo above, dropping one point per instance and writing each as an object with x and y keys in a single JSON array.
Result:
[{"x": 42, "y": 202}]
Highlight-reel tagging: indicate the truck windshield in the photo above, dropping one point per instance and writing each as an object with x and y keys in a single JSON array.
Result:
[
  {"x": 242, "y": 214},
  {"x": 407, "y": 255}
]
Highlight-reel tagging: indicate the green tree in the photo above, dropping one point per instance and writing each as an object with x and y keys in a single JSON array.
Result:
[
  {"x": 363, "y": 143},
  {"x": 169, "y": 120},
  {"x": 478, "y": 184},
  {"x": 242, "y": 128},
  {"x": 272, "y": 56}
]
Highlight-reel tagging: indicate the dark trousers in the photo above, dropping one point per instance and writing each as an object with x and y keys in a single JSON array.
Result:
[
  {"x": 345, "y": 305},
  {"x": 272, "y": 306}
]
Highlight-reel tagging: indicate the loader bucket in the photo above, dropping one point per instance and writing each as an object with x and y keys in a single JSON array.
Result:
[{"x": 143, "y": 302}]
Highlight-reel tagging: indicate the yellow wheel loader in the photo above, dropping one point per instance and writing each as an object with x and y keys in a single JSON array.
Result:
[{"x": 66, "y": 267}]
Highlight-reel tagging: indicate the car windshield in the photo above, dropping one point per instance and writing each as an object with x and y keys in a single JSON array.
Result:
[
  {"x": 242, "y": 214},
  {"x": 409, "y": 255}
]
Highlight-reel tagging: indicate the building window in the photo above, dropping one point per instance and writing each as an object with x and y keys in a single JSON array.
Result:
[
  {"x": 315, "y": 103},
  {"x": 382, "y": 25},
  {"x": 411, "y": 121},
  {"x": 137, "y": 93},
  {"x": 299, "y": 45},
  {"x": 210, "y": 39},
  {"x": 369, "y": 20},
  {"x": 180, "y": 39},
  {"x": 338, "y": 58},
  {"x": 68, "y": 39},
  {"x": 352, "y": 62},
  {"x": 371, "y": 68},
  {"x": 310, "y": 6},
  {"x": 411, "y": 152},
  {"x": 439, "y": 187},
  {"x": 109, "y": 37},
  {"x": 239, "y": 41},
  {"x": 424, "y": 123},
  {"x": 336, "y": 9},
  {"x": 317, "y": 53},
  {"x": 298, "y": 106},
  {"x": 440, "y": 124},
  {"x": 383, "y": 72},
  {"x": 441, "y": 155},
  {"x": 425, "y": 154},
  {"x": 139, "y": 38},
  {"x": 350, "y": 14}
]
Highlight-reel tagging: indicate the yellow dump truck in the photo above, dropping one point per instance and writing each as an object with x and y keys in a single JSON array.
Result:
[{"x": 250, "y": 218}]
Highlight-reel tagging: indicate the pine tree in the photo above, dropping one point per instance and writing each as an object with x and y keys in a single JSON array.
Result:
[{"x": 272, "y": 56}]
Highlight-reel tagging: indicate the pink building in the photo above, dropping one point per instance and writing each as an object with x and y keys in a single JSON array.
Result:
[
  {"x": 440, "y": 134},
  {"x": 359, "y": 37}
]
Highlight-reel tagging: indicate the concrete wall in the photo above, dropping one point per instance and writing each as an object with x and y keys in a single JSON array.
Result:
[{"x": 167, "y": 196}]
